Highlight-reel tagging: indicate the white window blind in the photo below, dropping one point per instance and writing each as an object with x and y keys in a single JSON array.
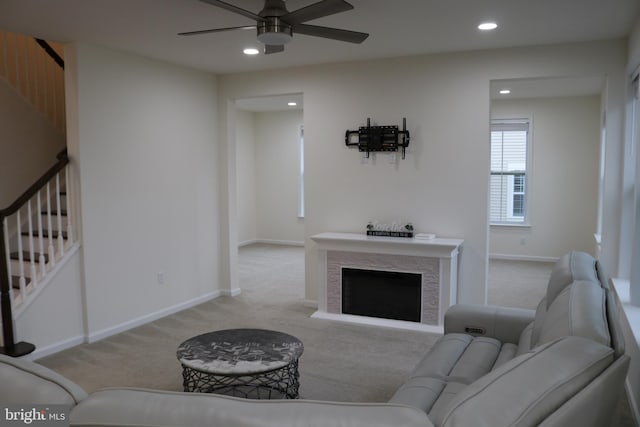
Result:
[
  {"x": 301, "y": 173},
  {"x": 509, "y": 164}
]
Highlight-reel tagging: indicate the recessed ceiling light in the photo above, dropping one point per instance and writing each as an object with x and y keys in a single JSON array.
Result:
[
  {"x": 505, "y": 91},
  {"x": 251, "y": 51},
  {"x": 486, "y": 26},
  {"x": 292, "y": 104}
]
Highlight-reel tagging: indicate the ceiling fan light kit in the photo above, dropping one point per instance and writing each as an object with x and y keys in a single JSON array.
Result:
[{"x": 275, "y": 25}]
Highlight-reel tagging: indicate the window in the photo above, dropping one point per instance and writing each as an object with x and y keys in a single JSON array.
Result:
[
  {"x": 510, "y": 146},
  {"x": 631, "y": 199},
  {"x": 301, "y": 174}
]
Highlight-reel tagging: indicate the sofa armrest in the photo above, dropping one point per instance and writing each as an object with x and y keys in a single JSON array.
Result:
[
  {"x": 24, "y": 381},
  {"x": 139, "y": 407},
  {"x": 502, "y": 323}
]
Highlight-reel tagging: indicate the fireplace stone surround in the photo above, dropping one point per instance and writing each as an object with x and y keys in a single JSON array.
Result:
[{"x": 436, "y": 260}]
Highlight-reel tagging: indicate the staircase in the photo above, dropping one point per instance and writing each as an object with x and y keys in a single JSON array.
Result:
[
  {"x": 36, "y": 232},
  {"x": 35, "y": 69},
  {"x": 37, "y": 236}
]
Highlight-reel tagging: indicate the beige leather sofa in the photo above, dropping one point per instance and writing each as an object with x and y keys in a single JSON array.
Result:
[{"x": 560, "y": 365}]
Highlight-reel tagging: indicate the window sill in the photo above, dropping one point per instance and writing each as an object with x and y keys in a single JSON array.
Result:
[
  {"x": 507, "y": 225},
  {"x": 631, "y": 312}
]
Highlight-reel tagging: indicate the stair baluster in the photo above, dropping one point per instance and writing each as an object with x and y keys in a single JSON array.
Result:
[
  {"x": 42, "y": 259},
  {"x": 59, "y": 218},
  {"x": 7, "y": 252},
  {"x": 68, "y": 207},
  {"x": 22, "y": 282},
  {"x": 32, "y": 255},
  {"x": 51, "y": 248}
]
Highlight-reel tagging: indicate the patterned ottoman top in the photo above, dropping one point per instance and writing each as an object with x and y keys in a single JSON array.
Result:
[{"x": 239, "y": 351}]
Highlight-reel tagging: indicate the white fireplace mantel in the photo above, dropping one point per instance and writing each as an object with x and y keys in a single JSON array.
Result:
[{"x": 360, "y": 248}]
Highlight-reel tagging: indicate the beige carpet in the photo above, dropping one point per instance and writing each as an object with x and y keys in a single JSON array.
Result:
[
  {"x": 341, "y": 362},
  {"x": 517, "y": 283}
]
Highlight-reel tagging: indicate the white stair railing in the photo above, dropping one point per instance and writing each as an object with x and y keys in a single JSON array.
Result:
[
  {"x": 34, "y": 74},
  {"x": 29, "y": 239}
]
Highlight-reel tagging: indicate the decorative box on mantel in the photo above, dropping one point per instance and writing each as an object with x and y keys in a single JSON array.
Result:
[{"x": 387, "y": 281}]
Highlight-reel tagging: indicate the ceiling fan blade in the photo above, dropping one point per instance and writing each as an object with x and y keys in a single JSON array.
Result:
[
  {"x": 316, "y": 10},
  {"x": 330, "y": 33},
  {"x": 235, "y": 9},
  {"x": 273, "y": 48},
  {"x": 216, "y": 30}
]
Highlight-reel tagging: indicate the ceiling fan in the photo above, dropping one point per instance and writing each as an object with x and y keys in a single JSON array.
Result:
[{"x": 276, "y": 25}]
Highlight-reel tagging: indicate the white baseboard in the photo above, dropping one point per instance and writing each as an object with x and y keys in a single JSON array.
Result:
[
  {"x": 107, "y": 332},
  {"x": 510, "y": 257},
  {"x": 39, "y": 353},
  {"x": 310, "y": 303},
  {"x": 247, "y": 243},
  {"x": 232, "y": 293}
]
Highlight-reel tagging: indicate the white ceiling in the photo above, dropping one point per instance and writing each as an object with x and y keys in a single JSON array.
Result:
[
  {"x": 547, "y": 87},
  {"x": 271, "y": 103},
  {"x": 397, "y": 28}
]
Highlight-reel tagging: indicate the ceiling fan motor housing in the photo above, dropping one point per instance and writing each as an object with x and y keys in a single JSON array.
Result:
[{"x": 273, "y": 31}]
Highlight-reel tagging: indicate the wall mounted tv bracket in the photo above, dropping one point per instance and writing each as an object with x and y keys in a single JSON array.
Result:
[{"x": 378, "y": 138}]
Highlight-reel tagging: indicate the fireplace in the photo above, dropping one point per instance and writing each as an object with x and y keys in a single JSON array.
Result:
[
  {"x": 426, "y": 270},
  {"x": 403, "y": 262},
  {"x": 383, "y": 294}
]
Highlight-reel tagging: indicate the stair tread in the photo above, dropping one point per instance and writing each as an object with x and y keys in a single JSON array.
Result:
[
  {"x": 45, "y": 234},
  {"x": 26, "y": 256},
  {"x": 63, "y": 212},
  {"x": 15, "y": 281}
]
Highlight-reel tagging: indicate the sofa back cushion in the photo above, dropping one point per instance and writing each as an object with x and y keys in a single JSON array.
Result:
[
  {"x": 527, "y": 389},
  {"x": 570, "y": 267},
  {"x": 579, "y": 310},
  {"x": 28, "y": 382},
  {"x": 146, "y": 408},
  {"x": 576, "y": 303}
]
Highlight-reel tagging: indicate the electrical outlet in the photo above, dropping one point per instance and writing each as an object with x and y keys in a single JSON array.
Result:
[
  {"x": 160, "y": 277},
  {"x": 523, "y": 241}
]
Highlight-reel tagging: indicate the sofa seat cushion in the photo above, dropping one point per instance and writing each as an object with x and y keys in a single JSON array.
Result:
[
  {"x": 530, "y": 387},
  {"x": 455, "y": 361}
]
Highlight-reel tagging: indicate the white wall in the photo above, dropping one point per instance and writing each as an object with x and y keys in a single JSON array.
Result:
[
  {"x": 28, "y": 144},
  {"x": 442, "y": 185},
  {"x": 563, "y": 184},
  {"x": 143, "y": 136},
  {"x": 634, "y": 47},
  {"x": 55, "y": 319},
  {"x": 246, "y": 176},
  {"x": 267, "y": 162},
  {"x": 277, "y": 176}
]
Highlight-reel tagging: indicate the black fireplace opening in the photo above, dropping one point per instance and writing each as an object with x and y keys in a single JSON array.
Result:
[{"x": 384, "y": 294}]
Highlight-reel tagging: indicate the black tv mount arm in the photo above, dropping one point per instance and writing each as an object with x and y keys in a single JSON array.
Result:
[{"x": 379, "y": 138}]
